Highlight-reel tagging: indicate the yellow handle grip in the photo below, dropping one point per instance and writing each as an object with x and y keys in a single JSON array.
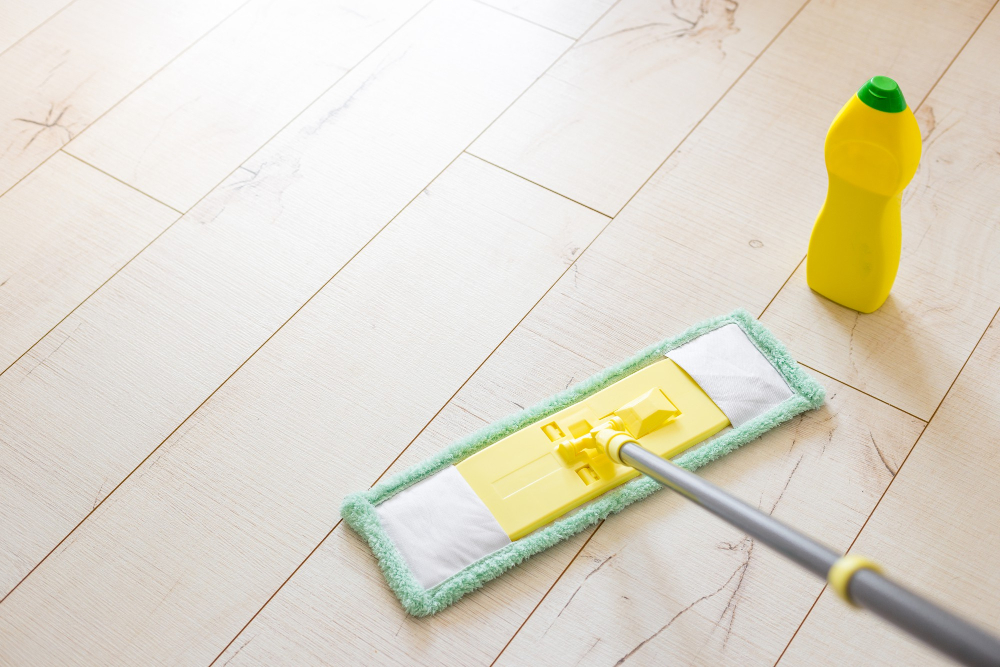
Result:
[{"x": 841, "y": 572}]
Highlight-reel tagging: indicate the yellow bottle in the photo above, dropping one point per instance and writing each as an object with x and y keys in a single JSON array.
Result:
[{"x": 872, "y": 151}]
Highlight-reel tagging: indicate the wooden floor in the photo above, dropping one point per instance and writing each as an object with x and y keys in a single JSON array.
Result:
[{"x": 258, "y": 254}]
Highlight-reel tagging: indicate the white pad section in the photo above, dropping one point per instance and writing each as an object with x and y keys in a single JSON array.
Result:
[
  {"x": 440, "y": 526},
  {"x": 733, "y": 372}
]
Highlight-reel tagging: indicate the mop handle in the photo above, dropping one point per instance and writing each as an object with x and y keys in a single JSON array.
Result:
[{"x": 856, "y": 579}]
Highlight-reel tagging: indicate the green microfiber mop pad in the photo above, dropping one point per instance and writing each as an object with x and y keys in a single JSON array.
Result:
[{"x": 358, "y": 509}]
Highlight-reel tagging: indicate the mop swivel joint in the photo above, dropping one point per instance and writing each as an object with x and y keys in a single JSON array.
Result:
[
  {"x": 647, "y": 413},
  {"x": 611, "y": 436},
  {"x": 598, "y": 440}
]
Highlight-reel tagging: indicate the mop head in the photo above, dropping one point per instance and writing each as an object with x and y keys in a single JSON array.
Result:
[{"x": 436, "y": 539}]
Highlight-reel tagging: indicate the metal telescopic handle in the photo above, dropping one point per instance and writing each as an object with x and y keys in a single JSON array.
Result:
[{"x": 866, "y": 588}]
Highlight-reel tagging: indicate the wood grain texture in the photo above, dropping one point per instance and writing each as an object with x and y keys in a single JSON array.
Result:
[
  {"x": 305, "y": 623},
  {"x": 935, "y": 530},
  {"x": 338, "y": 610},
  {"x": 616, "y": 300},
  {"x": 829, "y": 453},
  {"x": 607, "y": 115},
  {"x": 136, "y": 359},
  {"x": 22, "y": 16},
  {"x": 63, "y": 76},
  {"x": 172, "y": 564},
  {"x": 257, "y": 475},
  {"x": 568, "y": 17},
  {"x": 948, "y": 288},
  {"x": 192, "y": 124},
  {"x": 66, "y": 229},
  {"x": 669, "y": 582},
  {"x": 705, "y": 248}
]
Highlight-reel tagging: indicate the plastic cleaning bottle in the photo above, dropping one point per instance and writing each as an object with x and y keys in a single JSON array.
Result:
[{"x": 872, "y": 151}]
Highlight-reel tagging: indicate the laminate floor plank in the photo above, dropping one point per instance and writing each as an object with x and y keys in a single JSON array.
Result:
[
  {"x": 296, "y": 625},
  {"x": 667, "y": 537},
  {"x": 210, "y": 526},
  {"x": 616, "y": 300},
  {"x": 66, "y": 229},
  {"x": 934, "y": 531},
  {"x": 20, "y": 17},
  {"x": 191, "y": 125},
  {"x": 909, "y": 351},
  {"x": 568, "y": 17},
  {"x": 128, "y": 366},
  {"x": 669, "y": 579},
  {"x": 605, "y": 117},
  {"x": 63, "y": 76},
  {"x": 360, "y": 293}
]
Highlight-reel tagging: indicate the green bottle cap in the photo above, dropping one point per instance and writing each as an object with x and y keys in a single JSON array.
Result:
[{"x": 882, "y": 93}]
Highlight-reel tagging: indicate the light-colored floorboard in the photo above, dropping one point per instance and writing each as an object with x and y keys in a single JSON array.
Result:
[
  {"x": 256, "y": 476},
  {"x": 188, "y": 127},
  {"x": 307, "y": 626},
  {"x": 608, "y": 114},
  {"x": 613, "y": 301},
  {"x": 20, "y": 17},
  {"x": 669, "y": 579},
  {"x": 76, "y": 66},
  {"x": 708, "y": 233},
  {"x": 174, "y": 451},
  {"x": 568, "y": 17},
  {"x": 301, "y": 619},
  {"x": 935, "y": 530},
  {"x": 296, "y": 618},
  {"x": 66, "y": 229},
  {"x": 910, "y": 350},
  {"x": 137, "y": 358}
]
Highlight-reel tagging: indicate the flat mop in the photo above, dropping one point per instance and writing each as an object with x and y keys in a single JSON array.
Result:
[{"x": 448, "y": 525}]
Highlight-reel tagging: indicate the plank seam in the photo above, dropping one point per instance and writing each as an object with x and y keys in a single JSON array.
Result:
[
  {"x": 85, "y": 300},
  {"x": 943, "y": 398},
  {"x": 889, "y": 485},
  {"x": 403, "y": 451},
  {"x": 28, "y": 34},
  {"x": 554, "y": 583},
  {"x": 127, "y": 95},
  {"x": 308, "y": 106},
  {"x": 210, "y": 191},
  {"x": 236, "y": 370},
  {"x": 779, "y": 292},
  {"x": 515, "y": 174},
  {"x": 487, "y": 358},
  {"x": 115, "y": 178},
  {"x": 672, "y": 152},
  {"x": 504, "y": 11},
  {"x": 880, "y": 400}
]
